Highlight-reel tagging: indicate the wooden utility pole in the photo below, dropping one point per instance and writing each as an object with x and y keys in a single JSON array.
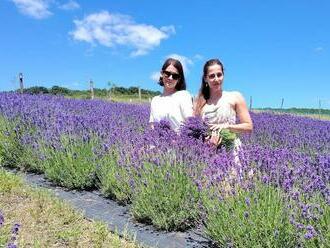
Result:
[
  {"x": 282, "y": 103},
  {"x": 250, "y": 103},
  {"x": 91, "y": 84},
  {"x": 110, "y": 88},
  {"x": 21, "y": 85},
  {"x": 320, "y": 108},
  {"x": 140, "y": 99}
]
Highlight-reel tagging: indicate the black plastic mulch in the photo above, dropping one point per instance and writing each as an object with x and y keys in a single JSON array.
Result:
[{"x": 118, "y": 218}]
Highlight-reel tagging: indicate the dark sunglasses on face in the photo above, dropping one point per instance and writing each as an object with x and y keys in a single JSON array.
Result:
[
  {"x": 167, "y": 74},
  {"x": 212, "y": 76}
]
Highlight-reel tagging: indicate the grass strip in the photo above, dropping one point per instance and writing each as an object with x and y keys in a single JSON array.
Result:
[{"x": 46, "y": 221}]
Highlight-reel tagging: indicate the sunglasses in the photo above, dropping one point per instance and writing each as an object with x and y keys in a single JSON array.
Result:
[
  {"x": 212, "y": 76},
  {"x": 167, "y": 74}
]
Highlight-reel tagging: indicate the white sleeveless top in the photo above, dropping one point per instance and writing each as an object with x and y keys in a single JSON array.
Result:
[
  {"x": 221, "y": 113},
  {"x": 175, "y": 108}
]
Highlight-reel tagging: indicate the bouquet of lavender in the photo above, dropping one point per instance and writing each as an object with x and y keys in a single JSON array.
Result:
[{"x": 194, "y": 128}]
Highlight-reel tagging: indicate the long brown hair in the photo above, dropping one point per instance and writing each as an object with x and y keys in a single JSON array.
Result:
[{"x": 204, "y": 91}]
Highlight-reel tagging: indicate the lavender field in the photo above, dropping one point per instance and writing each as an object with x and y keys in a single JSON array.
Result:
[{"x": 276, "y": 193}]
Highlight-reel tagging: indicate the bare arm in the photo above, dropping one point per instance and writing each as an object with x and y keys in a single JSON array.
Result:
[{"x": 245, "y": 125}]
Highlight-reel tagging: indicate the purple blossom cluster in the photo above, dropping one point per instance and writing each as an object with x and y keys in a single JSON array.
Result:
[
  {"x": 2, "y": 219},
  {"x": 288, "y": 152},
  {"x": 296, "y": 133},
  {"x": 14, "y": 232}
]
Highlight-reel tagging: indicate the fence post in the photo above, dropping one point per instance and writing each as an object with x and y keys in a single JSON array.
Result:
[
  {"x": 282, "y": 103},
  {"x": 21, "y": 85},
  {"x": 250, "y": 103},
  {"x": 109, "y": 92},
  {"x": 91, "y": 85}
]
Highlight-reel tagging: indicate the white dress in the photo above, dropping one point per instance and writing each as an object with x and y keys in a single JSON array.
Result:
[
  {"x": 222, "y": 113},
  {"x": 175, "y": 108}
]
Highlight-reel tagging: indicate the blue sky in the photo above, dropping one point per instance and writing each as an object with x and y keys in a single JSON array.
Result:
[{"x": 271, "y": 49}]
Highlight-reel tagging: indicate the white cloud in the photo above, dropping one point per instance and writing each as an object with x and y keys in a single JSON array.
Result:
[
  {"x": 37, "y": 9},
  {"x": 319, "y": 49},
  {"x": 185, "y": 61},
  {"x": 111, "y": 30},
  {"x": 198, "y": 57},
  {"x": 155, "y": 76},
  {"x": 70, "y": 5}
]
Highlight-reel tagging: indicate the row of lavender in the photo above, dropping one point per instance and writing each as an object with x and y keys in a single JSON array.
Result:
[{"x": 278, "y": 193}]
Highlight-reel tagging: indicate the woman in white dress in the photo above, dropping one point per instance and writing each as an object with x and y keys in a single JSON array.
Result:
[
  {"x": 220, "y": 108},
  {"x": 175, "y": 103}
]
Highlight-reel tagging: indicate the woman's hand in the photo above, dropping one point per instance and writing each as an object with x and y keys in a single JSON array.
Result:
[
  {"x": 219, "y": 127},
  {"x": 214, "y": 139}
]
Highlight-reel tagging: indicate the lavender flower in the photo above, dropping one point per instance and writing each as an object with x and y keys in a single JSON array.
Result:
[
  {"x": 15, "y": 229},
  {"x": 11, "y": 245},
  {"x": 2, "y": 219},
  {"x": 194, "y": 128},
  {"x": 286, "y": 152}
]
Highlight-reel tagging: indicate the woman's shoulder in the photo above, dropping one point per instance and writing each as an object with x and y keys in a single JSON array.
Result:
[
  {"x": 234, "y": 97},
  {"x": 233, "y": 94},
  {"x": 155, "y": 99}
]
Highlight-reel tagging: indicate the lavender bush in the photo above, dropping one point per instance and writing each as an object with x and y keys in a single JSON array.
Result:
[
  {"x": 166, "y": 197},
  {"x": 249, "y": 218},
  {"x": 284, "y": 164},
  {"x": 72, "y": 162},
  {"x": 115, "y": 179},
  {"x": 11, "y": 149},
  {"x": 296, "y": 133}
]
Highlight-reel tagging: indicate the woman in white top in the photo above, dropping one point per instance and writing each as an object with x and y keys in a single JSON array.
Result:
[
  {"x": 219, "y": 108},
  {"x": 175, "y": 104}
]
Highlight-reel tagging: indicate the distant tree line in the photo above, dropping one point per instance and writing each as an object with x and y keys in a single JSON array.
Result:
[
  {"x": 57, "y": 90},
  {"x": 299, "y": 110}
]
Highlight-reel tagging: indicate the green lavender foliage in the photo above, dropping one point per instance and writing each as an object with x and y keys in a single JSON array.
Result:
[
  {"x": 257, "y": 218},
  {"x": 313, "y": 220},
  {"x": 13, "y": 152},
  {"x": 114, "y": 180},
  {"x": 73, "y": 164},
  {"x": 166, "y": 197},
  {"x": 10, "y": 148}
]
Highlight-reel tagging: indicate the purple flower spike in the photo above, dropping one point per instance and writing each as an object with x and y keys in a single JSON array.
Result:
[
  {"x": 15, "y": 229},
  {"x": 247, "y": 201},
  {"x": 2, "y": 220},
  {"x": 309, "y": 235}
]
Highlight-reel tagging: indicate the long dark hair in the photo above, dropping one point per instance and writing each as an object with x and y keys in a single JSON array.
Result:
[
  {"x": 204, "y": 91},
  {"x": 181, "y": 85}
]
